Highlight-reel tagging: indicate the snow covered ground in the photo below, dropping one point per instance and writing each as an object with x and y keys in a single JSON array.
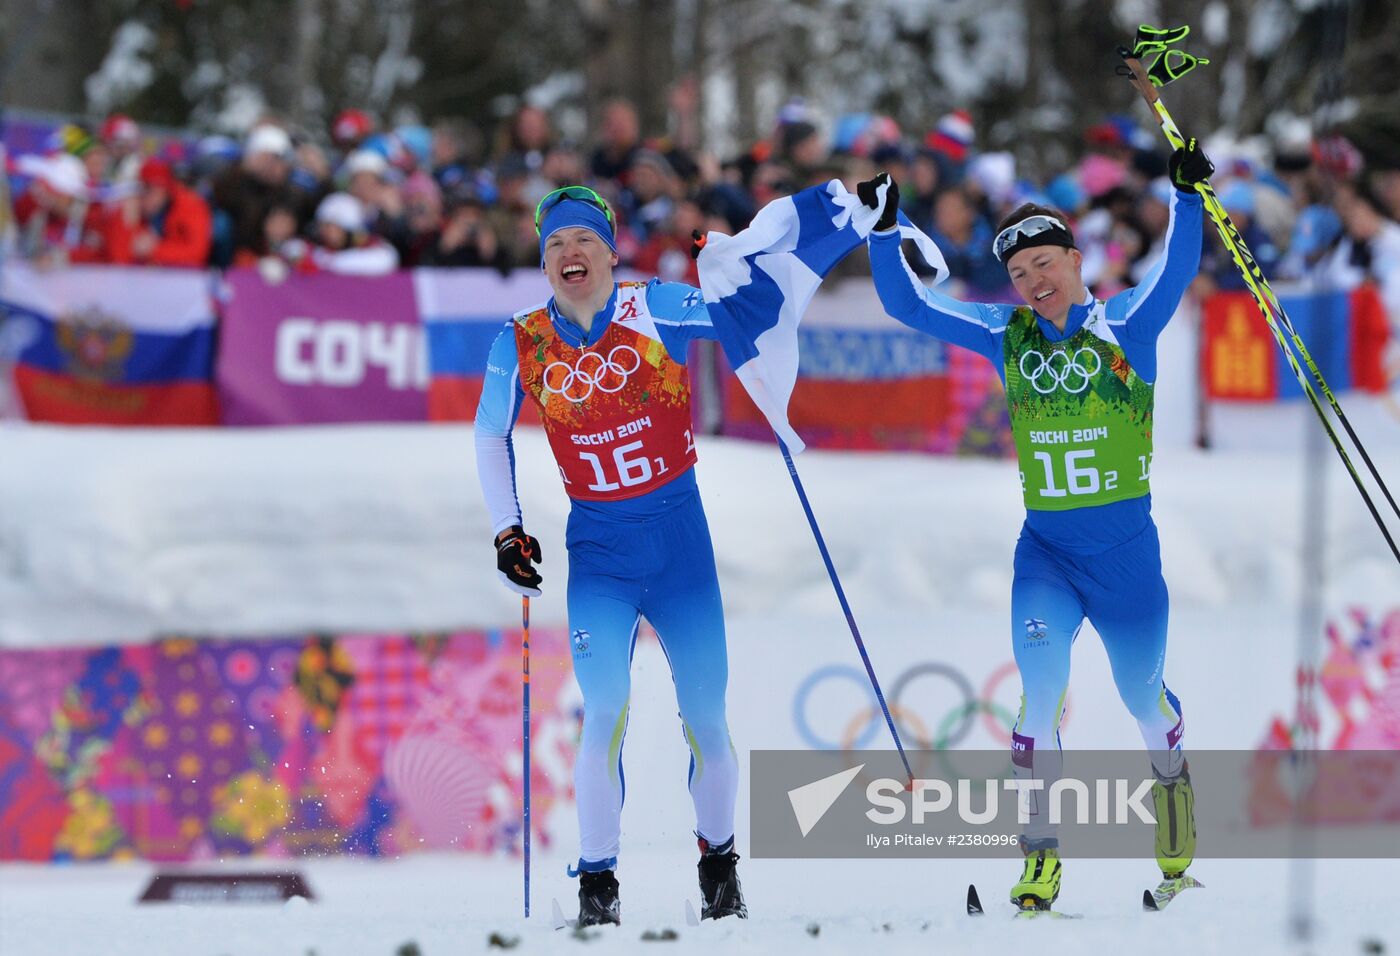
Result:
[
  {"x": 450, "y": 905},
  {"x": 122, "y": 535}
]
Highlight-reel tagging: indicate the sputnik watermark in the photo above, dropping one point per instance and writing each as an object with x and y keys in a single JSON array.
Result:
[
  {"x": 1112, "y": 801},
  {"x": 966, "y": 803},
  {"x": 891, "y": 801}
]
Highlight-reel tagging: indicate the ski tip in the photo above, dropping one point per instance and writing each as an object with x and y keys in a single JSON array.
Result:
[
  {"x": 558, "y": 918},
  {"x": 691, "y": 919},
  {"x": 1148, "y": 903},
  {"x": 974, "y": 903}
]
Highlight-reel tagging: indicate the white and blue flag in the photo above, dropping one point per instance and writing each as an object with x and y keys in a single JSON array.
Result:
[{"x": 758, "y": 282}]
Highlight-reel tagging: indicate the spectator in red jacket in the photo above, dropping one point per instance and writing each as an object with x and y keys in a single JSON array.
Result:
[
  {"x": 57, "y": 221},
  {"x": 165, "y": 224}
]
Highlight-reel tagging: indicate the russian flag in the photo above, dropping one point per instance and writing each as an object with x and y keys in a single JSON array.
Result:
[
  {"x": 463, "y": 310},
  {"x": 102, "y": 345},
  {"x": 758, "y": 283}
]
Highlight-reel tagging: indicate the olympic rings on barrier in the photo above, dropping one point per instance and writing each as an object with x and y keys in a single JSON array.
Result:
[
  {"x": 964, "y": 687},
  {"x": 919, "y": 737},
  {"x": 1047, "y": 377},
  {"x": 589, "y": 371},
  {"x": 865, "y": 725}
]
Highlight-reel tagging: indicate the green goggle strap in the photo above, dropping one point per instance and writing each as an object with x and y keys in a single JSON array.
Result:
[{"x": 581, "y": 193}]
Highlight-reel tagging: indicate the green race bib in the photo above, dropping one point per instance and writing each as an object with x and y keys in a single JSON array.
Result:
[{"x": 1080, "y": 415}]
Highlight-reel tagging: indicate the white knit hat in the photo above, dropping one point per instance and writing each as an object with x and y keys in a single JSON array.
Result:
[
  {"x": 343, "y": 210},
  {"x": 61, "y": 172},
  {"x": 268, "y": 139}
]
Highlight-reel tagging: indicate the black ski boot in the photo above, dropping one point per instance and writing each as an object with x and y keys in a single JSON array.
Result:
[
  {"x": 720, "y": 892},
  {"x": 597, "y": 899}
]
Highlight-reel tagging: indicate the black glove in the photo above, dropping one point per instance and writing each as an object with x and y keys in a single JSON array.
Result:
[
  {"x": 1188, "y": 166},
  {"x": 697, "y": 242},
  {"x": 516, "y": 555},
  {"x": 867, "y": 194}
]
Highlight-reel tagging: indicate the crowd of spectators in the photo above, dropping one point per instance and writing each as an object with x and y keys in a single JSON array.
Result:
[{"x": 364, "y": 200}]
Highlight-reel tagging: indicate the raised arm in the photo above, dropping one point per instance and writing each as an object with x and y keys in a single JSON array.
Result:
[
  {"x": 496, "y": 413},
  {"x": 1140, "y": 313},
  {"x": 972, "y": 325}
]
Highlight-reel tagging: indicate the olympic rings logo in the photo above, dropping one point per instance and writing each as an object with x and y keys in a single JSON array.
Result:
[
  {"x": 956, "y": 722},
  {"x": 576, "y": 382},
  {"x": 1046, "y": 376}
]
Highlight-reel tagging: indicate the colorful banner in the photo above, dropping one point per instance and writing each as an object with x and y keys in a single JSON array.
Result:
[
  {"x": 321, "y": 348},
  {"x": 90, "y": 347},
  {"x": 1352, "y": 699},
  {"x": 361, "y": 744},
  {"x": 864, "y": 382},
  {"x": 1345, "y": 333}
]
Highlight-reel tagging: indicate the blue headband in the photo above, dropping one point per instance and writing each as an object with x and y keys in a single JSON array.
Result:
[{"x": 575, "y": 212}]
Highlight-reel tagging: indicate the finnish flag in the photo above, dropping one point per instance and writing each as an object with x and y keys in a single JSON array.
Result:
[{"x": 758, "y": 282}]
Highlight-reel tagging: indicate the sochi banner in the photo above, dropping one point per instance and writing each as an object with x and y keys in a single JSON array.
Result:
[
  {"x": 101, "y": 345},
  {"x": 319, "y": 349}
]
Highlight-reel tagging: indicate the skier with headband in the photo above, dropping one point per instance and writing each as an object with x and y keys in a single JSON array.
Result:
[
  {"x": 1079, "y": 377},
  {"x": 605, "y": 364}
]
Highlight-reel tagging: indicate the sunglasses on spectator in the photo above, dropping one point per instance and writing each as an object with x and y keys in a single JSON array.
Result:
[
  {"x": 1025, "y": 229},
  {"x": 581, "y": 193}
]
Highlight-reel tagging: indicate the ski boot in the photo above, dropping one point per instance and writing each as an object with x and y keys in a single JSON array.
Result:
[
  {"x": 1175, "y": 804},
  {"x": 597, "y": 899},
  {"x": 1040, "y": 880},
  {"x": 720, "y": 892}
]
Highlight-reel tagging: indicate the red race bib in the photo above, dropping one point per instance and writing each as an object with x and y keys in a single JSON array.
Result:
[{"x": 617, "y": 413}]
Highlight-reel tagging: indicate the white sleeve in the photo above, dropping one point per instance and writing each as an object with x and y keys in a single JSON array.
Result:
[{"x": 501, "y": 398}]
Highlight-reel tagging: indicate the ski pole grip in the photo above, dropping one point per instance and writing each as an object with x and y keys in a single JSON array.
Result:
[{"x": 1137, "y": 75}]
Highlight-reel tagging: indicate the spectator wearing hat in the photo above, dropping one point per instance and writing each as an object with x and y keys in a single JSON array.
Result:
[
  {"x": 1238, "y": 200},
  {"x": 512, "y": 215},
  {"x": 343, "y": 241},
  {"x": 370, "y": 179},
  {"x": 121, "y": 136},
  {"x": 165, "y": 224},
  {"x": 423, "y": 215},
  {"x": 260, "y": 181},
  {"x": 456, "y": 149},
  {"x": 56, "y": 219},
  {"x": 652, "y": 188},
  {"x": 802, "y": 148},
  {"x": 79, "y": 141},
  {"x": 950, "y": 144},
  {"x": 350, "y": 129},
  {"x": 1105, "y": 166}
]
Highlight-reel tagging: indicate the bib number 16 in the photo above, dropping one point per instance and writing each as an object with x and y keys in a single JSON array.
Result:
[
  {"x": 1081, "y": 478},
  {"x": 630, "y": 471}
]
